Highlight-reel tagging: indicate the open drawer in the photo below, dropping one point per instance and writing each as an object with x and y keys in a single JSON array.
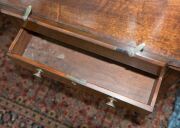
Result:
[{"x": 45, "y": 56}]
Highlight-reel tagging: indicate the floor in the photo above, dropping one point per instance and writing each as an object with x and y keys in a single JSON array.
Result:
[{"x": 27, "y": 102}]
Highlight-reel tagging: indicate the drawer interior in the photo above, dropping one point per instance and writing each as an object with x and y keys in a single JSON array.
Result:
[
  {"x": 126, "y": 83},
  {"x": 143, "y": 61}
]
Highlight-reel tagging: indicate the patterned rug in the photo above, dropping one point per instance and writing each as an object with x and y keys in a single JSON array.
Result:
[{"x": 27, "y": 102}]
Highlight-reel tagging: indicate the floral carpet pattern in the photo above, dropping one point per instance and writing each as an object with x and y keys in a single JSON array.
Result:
[{"x": 28, "y": 102}]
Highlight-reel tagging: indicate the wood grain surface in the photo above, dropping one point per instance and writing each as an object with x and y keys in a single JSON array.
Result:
[{"x": 154, "y": 22}]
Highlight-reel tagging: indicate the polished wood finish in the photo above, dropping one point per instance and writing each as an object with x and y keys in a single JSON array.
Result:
[
  {"x": 103, "y": 75},
  {"x": 112, "y": 24},
  {"x": 79, "y": 41},
  {"x": 154, "y": 22}
]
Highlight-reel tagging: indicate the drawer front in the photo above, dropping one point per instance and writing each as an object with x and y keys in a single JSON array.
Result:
[{"x": 20, "y": 45}]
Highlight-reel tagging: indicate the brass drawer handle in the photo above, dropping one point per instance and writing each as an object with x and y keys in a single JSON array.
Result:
[
  {"x": 111, "y": 102},
  {"x": 132, "y": 51},
  {"x": 38, "y": 73},
  {"x": 27, "y": 13}
]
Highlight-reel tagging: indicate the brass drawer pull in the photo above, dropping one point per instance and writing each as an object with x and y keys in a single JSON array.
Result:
[
  {"x": 132, "y": 51},
  {"x": 38, "y": 73},
  {"x": 27, "y": 13},
  {"x": 111, "y": 102}
]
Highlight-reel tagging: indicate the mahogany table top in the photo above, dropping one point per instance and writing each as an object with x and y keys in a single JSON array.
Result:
[{"x": 154, "y": 22}]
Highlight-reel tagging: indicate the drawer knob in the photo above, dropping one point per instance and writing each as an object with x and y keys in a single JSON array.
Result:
[
  {"x": 38, "y": 73},
  {"x": 111, "y": 102}
]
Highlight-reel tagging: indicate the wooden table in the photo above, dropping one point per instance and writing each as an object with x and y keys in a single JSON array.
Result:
[{"x": 108, "y": 29}]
